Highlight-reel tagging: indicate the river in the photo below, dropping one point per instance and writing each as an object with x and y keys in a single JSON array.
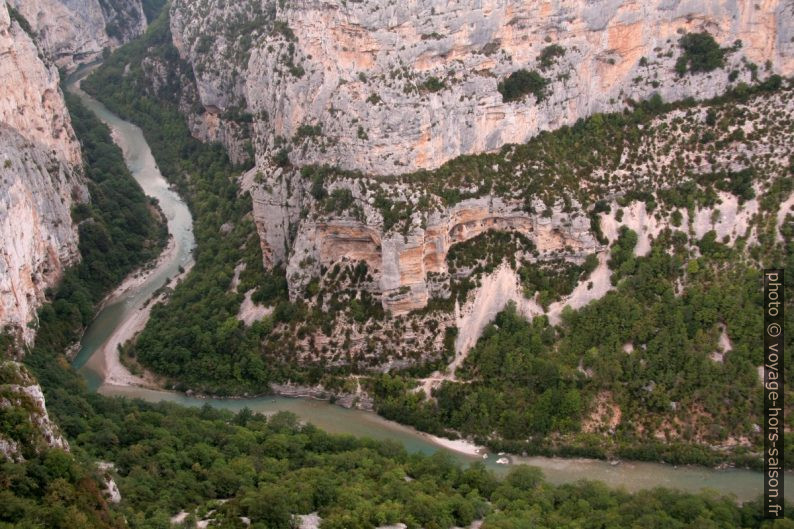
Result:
[{"x": 632, "y": 476}]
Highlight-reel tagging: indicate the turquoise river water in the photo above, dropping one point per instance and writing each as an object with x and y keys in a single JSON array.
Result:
[{"x": 632, "y": 476}]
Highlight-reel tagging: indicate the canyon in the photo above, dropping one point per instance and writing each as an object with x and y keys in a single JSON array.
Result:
[
  {"x": 384, "y": 90},
  {"x": 279, "y": 87},
  {"x": 40, "y": 155},
  {"x": 401, "y": 203},
  {"x": 42, "y": 178}
]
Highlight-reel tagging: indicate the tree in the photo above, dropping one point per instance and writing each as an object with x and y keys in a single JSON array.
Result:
[{"x": 522, "y": 82}]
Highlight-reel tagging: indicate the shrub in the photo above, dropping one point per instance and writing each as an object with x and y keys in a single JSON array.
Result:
[
  {"x": 339, "y": 200},
  {"x": 433, "y": 84},
  {"x": 307, "y": 131},
  {"x": 549, "y": 54},
  {"x": 701, "y": 54},
  {"x": 520, "y": 83},
  {"x": 281, "y": 158}
]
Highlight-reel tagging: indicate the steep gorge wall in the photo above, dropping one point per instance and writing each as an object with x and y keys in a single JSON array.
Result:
[
  {"x": 387, "y": 89},
  {"x": 40, "y": 178},
  {"x": 361, "y": 72},
  {"x": 313, "y": 219},
  {"x": 407, "y": 261},
  {"x": 75, "y": 32},
  {"x": 402, "y": 262}
]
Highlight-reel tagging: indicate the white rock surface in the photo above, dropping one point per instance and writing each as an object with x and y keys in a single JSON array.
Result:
[
  {"x": 74, "y": 32},
  {"x": 358, "y": 69},
  {"x": 40, "y": 178}
]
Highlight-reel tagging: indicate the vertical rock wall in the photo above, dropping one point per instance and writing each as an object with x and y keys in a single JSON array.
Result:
[
  {"x": 395, "y": 87},
  {"x": 39, "y": 178},
  {"x": 74, "y": 32}
]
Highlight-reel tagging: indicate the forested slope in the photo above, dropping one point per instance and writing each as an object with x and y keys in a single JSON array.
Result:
[{"x": 687, "y": 201}]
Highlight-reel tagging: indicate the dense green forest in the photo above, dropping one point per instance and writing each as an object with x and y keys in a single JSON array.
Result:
[
  {"x": 525, "y": 386},
  {"x": 215, "y": 465},
  {"x": 120, "y": 229},
  {"x": 183, "y": 337},
  {"x": 671, "y": 396}
]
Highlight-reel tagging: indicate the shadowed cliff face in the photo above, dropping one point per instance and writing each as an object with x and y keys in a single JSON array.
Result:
[
  {"x": 74, "y": 32},
  {"x": 391, "y": 88},
  {"x": 40, "y": 167}
]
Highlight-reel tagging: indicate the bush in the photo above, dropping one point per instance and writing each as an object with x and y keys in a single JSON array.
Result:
[
  {"x": 549, "y": 55},
  {"x": 701, "y": 54},
  {"x": 433, "y": 84},
  {"x": 520, "y": 83},
  {"x": 281, "y": 158}
]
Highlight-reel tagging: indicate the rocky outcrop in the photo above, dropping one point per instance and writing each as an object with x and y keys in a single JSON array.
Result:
[
  {"x": 111, "y": 490},
  {"x": 390, "y": 88},
  {"x": 277, "y": 200},
  {"x": 407, "y": 260},
  {"x": 34, "y": 431},
  {"x": 40, "y": 178},
  {"x": 75, "y": 32},
  {"x": 358, "y": 399},
  {"x": 330, "y": 222},
  {"x": 399, "y": 262}
]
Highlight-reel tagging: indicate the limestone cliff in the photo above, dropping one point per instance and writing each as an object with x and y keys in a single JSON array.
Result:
[
  {"x": 74, "y": 32},
  {"x": 402, "y": 264},
  {"x": 389, "y": 88},
  {"x": 390, "y": 96},
  {"x": 28, "y": 428},
  {"x": 41, "y": 178},
  {"x": 390, "y": 249},
  {"x": 299, "y": 231}
]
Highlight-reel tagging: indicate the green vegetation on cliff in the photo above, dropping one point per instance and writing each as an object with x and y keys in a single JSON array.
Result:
[
  {"x": 120, "y": 229},
  {"x": 683, "y": 291},
  {"x": 637, "y": 364},
  {"x": 700, "y": 53},
  {"x": 184, "y": 336},
  {"x": 521, "y": 83},
  {"x": 217, "y": 466}
]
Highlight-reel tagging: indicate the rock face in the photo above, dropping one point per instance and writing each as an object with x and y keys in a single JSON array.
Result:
[
  {"x": 382, "y": 91},
  {"x": 19, "y": 390},
  {"x": 75, "y": 32},
  {"x": 40, "y": 178},
  {"x": 389, "y": 88},
  {"x": 407, "y": 261},
  {"x": 400, "y": 262}
]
